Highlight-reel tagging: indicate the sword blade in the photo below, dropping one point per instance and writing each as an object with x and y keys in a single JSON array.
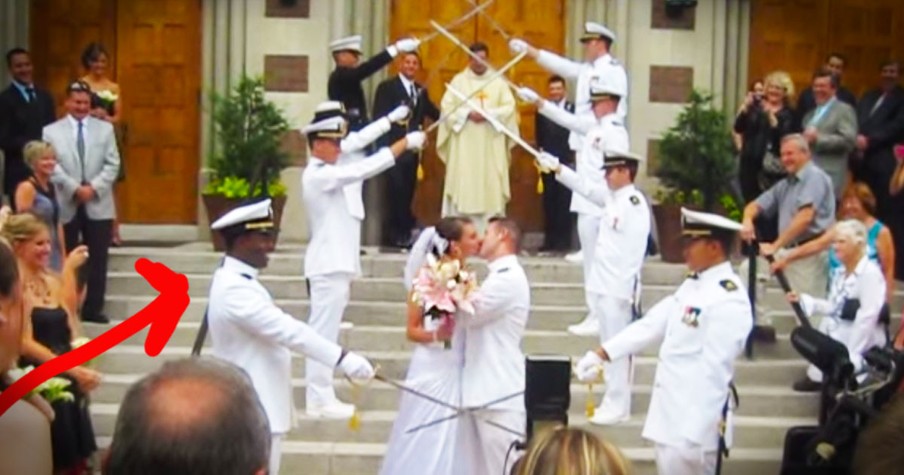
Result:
[
  {"x": 461, "y": 45},
  {"x": 493, "y": 22},
  {"x": 477, "y": 9},
  {"x": 498, "y": 125},
  {"x": 493, "y": 76},
  {"x": 464, "y": 410},
  {"x": 415, "y": 392}
]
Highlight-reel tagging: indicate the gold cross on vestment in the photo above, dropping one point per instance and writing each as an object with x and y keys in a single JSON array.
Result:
[{"x": 482, "y": 95}]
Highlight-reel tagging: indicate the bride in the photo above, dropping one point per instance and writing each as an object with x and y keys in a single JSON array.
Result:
[{"x": 434, "y": 370}]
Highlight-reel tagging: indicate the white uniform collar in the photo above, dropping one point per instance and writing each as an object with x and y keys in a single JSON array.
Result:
[
  {"x": 627, "y": 189},
  {"x": 716, "y": 271},
  {"x": 502, "y": 262},
  {"x": 240, "y": 267},
  {"x": 599, "y": 61}
]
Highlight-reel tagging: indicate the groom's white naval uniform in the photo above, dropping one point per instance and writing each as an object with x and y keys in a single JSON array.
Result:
[
  {"x": 332, "y": 258},
  {"x": 249, "y": 330},
  {"x": 494, "y": 363}
]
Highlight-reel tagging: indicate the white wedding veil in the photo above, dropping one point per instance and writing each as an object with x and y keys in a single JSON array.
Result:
[{"x": 426, "y": 243}]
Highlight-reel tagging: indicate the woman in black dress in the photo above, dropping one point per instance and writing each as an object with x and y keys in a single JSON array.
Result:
[{"x": 52, "y": 300}]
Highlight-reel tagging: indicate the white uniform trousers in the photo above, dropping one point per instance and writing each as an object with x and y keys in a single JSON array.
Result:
[
  {"x": 275, "y": 454},
  {"x": 492, "y": 444},
  {"x": 329, "y": 296},
  {"x": 588, "y": 232},
  {"x": 688, "y": 460},
  {"x": 614, "y": 315}
]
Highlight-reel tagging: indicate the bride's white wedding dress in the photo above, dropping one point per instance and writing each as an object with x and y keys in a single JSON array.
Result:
[{"x": 437, "y": 372}]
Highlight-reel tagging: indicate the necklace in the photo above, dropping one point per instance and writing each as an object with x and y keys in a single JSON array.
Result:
[{"x": 37, "y": 288}]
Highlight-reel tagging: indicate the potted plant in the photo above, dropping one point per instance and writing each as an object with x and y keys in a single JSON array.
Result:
[
  {"x": 697, "y": 167},
  {"x": 248, "y": 131}
]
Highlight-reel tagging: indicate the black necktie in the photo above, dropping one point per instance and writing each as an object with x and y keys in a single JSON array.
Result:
[
  {"x": 412, "y": 94},
  {"x": 31, "y": 95}
]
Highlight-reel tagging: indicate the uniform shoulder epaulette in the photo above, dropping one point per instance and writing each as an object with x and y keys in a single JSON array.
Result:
[
  {"x": 247, "y": 276},
  {"x": 614, "y": 62},
  {"x": 504, "y": 269},
  {"x": 617, "y": 123},
  {"x": 634, "y": 200},
  {"x": 728, "y": 285}
]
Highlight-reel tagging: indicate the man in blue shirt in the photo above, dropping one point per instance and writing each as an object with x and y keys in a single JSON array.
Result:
[{"x": 24, "y": 111}]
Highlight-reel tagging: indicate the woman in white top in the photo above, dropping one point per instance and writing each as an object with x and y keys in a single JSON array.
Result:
[
  {"x": 434, "y": 370},
  {"x": 856, "y": 295}
]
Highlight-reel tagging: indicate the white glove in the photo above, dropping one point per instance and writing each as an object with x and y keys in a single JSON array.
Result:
[
  {"x": 356, "y": 366},
  {"x": 528, "y": 95},
  {"x": 416, "y": 140},
  {"x": 589, "y": 367},
  {"x": 518, "y": 45},
  {"x": 548, "y": 161},
  {"x": 407, "y": 45},
  {"x": 398, "y": 113}
]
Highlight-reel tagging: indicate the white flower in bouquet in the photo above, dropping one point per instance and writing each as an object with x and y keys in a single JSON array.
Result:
[
  {"x": 52, "y": 390},
  {"x": 108, "y": 97}
]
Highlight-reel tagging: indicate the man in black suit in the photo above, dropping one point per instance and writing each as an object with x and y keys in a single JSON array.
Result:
[
  {"x": 553, "y": 138},
  {"x": 402, "y": 178},
  {"x": 806, "y": 102},
  {"x": 345, "y": 81},
  {"x": 881, "y": 122},
  {"x": 24, "y": 111}
]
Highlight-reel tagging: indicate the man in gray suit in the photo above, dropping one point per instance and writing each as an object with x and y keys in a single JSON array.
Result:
[
  {"x": 87, "y": 165},
  {"x": 830, "y": 129}
]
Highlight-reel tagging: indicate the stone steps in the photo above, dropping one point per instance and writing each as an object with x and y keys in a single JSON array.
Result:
[
  {"x": 750, "y": 432},
  {"x": 350, "y": 458},
  {"x": 389, "y": 289},
  {"x": 756, "y": 400}
]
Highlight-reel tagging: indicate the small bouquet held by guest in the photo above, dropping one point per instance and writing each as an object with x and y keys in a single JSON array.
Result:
[
  {"x": 53, "y": 390},
  {"x": 107, "y": 98},
  {"x": 442, "y": 287}
]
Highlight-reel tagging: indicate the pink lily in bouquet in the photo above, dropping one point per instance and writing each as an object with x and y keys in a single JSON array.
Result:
[{"x": 443, "y": 287}]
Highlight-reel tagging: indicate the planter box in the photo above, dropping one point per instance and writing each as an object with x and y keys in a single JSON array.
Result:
[
  {"x": 217, "y": 206},
  {"x": 668, "y": 228}
]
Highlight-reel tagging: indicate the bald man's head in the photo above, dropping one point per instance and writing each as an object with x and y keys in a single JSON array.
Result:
[{"x": 199, "y": 416}]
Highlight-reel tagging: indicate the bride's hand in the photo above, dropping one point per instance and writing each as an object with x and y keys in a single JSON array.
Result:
[{"x": 444, "y": 332}]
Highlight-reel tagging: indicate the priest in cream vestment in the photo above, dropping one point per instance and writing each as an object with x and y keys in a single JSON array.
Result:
[{"x": 476, "y": 154}]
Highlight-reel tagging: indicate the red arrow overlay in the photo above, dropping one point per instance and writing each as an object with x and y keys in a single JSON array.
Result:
[{"x": 162, "y": 315}]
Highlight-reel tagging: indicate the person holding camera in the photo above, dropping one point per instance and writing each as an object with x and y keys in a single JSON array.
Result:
[
  {"x": 703, "y": 327},
  {"x": 856, "y": 296},
  {"x": 762, "y": 121}
]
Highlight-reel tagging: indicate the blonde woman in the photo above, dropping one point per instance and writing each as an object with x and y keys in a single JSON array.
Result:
[
  {"x": 38, "y": 195},
  {"x": 566, "y": 451},
  {"x": 762, "y": 121},
  {"x": 856, "y": 296},
  {"x": 49, "y": 328}
]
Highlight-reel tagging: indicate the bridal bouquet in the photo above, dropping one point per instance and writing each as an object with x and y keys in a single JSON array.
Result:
[
  {"x": 441, "y": 288},
  {"x": 107, "y": 97},
  {"x": 52, "y": 390}
]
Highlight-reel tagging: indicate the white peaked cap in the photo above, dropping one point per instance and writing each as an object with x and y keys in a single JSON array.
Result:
[
  {"x": 699, "y": 223},
  {"x": 352, "y": 43},
  {"x": 595, "y": 30},
  {"x": 334, "y": 127},
  {"x": 257, "y": 215},
  {"x": 329, "y": 106},
  {"x": 615, "y": 156}
]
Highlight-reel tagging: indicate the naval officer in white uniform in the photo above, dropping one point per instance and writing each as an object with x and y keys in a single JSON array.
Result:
[
  {"x": 249, "y": 330},
  {"x": 600, "y": 130},
  {"x": 332, "y": 259},
  {"x": 614, "y": 283},
  {"x": 494, "y": 363},
  {"x": 703, "y": 327},
  {"x": 598, "y": 65}
]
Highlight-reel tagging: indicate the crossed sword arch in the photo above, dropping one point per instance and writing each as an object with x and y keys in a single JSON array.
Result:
[{"x": 467, "y": 99}]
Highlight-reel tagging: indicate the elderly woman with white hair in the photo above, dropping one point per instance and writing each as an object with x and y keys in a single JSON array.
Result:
[{"x": 856, "y": 295}]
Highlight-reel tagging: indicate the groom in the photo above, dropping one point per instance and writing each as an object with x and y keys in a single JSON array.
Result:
[{"x": 494, "y": 363}]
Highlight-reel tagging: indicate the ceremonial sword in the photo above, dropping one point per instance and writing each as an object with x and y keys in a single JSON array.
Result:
[
  {"x": 493, "y": 76},
  {"x": 492, "y": 21},
  {"x": 458, "y": 410},
  {"x": 472, "y": 54},
  {"x": 477, "y": 9}
]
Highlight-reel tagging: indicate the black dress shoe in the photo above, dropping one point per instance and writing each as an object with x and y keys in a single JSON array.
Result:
[
  {"x": 97, "y": 318},
  {"x": 806, "y": 385}
]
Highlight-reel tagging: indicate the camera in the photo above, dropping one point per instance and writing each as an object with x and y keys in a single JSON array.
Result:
[{"x": 847, "y": 402}]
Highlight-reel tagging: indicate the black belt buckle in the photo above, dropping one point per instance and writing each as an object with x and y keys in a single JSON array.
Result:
[{"x": 804, "y": 241}]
